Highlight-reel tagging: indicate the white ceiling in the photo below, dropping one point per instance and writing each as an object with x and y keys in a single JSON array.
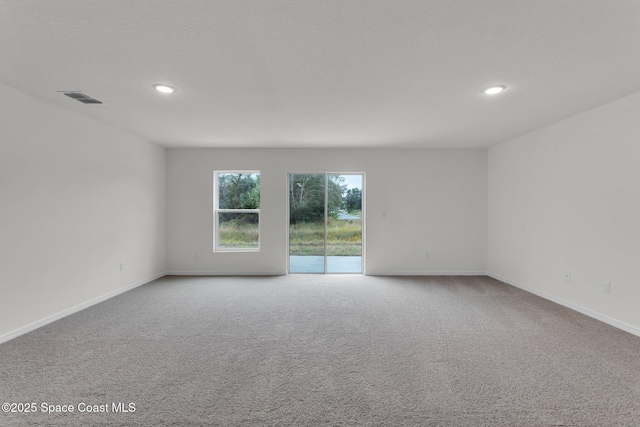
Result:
[{"x": 315, "y": 73}]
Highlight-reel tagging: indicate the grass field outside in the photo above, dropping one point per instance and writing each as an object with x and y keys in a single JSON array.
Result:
[
  {"x": 344, "y": 237},
  {"x": 238, "y": 236}
]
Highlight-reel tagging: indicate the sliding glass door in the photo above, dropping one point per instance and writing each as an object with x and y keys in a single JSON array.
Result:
[
  {"x": 325, "y": 223},
  {"x": 344, "y": 224},
  {"x": 306, "y": 223}
]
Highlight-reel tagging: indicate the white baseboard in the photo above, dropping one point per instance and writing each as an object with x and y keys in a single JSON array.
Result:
[
  {"x": 64, "y": 313},
  {"x": 426, "y": 273},
  {"x": 587, "y": 312},
  {"x": 225, "y": 273},
  {"x": 284, "y": 273}
]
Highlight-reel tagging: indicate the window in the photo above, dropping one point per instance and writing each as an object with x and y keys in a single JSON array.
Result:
[{"x": 236, "y": 210}]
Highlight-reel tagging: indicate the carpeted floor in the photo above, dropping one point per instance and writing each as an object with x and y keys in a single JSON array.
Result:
[{"x": 309, "y": 350}]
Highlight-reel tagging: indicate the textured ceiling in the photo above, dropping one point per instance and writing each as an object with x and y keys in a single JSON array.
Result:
[{"x": 256, "y": 73}]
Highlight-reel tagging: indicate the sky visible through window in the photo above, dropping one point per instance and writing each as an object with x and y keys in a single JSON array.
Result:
[{"x": 353, "y": 181}]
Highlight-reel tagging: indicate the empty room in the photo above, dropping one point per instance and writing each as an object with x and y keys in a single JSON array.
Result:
[{"x": 304, "y": 213}]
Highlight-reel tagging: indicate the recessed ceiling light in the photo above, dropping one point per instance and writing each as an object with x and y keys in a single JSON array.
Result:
[
  {"x": 493, "y": 90},
  {"x": 163, "y": 88}
]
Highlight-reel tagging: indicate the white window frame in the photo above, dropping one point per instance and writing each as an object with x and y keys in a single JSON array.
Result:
[{"x": 217, "y": 211}]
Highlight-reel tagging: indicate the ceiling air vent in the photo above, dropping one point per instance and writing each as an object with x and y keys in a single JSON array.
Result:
[{"x": 82, "y": 97}]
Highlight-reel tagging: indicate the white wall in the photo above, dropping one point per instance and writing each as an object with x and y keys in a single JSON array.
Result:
[
  {"x": 567, "y": 198},
  {"x": 76, "y": 198},
  {"x": 435, "y": 200}
]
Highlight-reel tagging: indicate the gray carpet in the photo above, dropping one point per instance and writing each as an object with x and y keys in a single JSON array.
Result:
[{"x": 309, "y": 350}]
